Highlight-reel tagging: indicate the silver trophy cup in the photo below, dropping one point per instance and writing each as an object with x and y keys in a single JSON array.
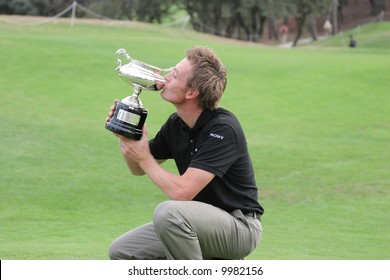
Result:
[{"x": 130, "y": 115}]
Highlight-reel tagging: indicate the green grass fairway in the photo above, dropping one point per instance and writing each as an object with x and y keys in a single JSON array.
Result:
[{"x": 317, "y": 122}]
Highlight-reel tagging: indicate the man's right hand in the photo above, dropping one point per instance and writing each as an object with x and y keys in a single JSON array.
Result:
[{"x": 112, "y": 110}]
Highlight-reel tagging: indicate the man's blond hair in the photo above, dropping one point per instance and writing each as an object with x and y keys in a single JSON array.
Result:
[{"x": 208, "y": 76}]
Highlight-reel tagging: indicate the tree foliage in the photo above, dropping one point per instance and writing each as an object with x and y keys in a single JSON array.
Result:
[
  {"x": 140, "y": 10},
  {"x": 304, "y": 12},
  {"x": 33, "y": 7},
  {"x": 241, "y": 19}
]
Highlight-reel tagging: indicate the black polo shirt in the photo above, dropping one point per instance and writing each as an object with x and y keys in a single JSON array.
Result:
[{"x": 217, "y": 145}]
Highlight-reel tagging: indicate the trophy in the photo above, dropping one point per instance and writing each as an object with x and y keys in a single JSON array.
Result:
[{"x": 130, "y": 115}]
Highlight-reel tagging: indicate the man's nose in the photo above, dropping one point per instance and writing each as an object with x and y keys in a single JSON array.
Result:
[
  {"x": 168, "y": 73},
  {"x": 167, "y": 77}
]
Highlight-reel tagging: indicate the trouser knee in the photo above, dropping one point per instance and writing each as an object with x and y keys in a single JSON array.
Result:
[
  {"x": 163, "y": 214},
  {"x": 113, "y": 251}
]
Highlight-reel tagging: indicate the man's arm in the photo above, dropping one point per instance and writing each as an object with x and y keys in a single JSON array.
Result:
[
  {"x": 133, "y": 166},
  {"x": 178, "y": 187}
]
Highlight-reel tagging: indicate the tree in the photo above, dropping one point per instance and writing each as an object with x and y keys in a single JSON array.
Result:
[
  {"x": 117, "y": 9},
  {"x": 377, "y": 6},
  {"x": 242, "y": 19},
  {"x": 304, "y": 9},
  {"x": 34, "y": 7},
  {"x": 147, "y": 10},
  {"x": 141, "y": 10},
  {"x": 22, "y": 7}
]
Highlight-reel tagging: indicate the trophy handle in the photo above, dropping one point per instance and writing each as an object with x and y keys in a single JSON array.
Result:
[{"x": 124, "y": 53}]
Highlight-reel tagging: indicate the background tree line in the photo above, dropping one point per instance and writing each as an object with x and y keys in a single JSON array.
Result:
[{"x": 241, "y": 19}]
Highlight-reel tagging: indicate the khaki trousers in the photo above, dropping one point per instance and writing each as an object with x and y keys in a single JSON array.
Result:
[{"x": 190, "y": 230}]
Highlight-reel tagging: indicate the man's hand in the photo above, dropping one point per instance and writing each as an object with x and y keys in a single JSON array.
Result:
[
  {"x": 136, "y": 151},
  {"x": 112, "y": 110}
]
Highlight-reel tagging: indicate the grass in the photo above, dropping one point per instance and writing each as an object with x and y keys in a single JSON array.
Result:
[
  {"x": 316, "y": 121},
  {"x": 371, "y": 36}
]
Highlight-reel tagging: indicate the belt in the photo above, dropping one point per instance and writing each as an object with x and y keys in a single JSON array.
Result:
[{"x": 253, "y": 215}]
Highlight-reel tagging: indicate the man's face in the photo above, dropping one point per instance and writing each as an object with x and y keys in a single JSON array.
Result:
[{"x": 175, "y": 87}]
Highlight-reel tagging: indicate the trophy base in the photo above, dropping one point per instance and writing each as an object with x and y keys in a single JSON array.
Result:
[{"x": 127, "y": 121}]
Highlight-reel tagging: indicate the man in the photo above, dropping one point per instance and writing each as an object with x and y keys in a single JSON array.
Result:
[
  {"x": 214, "y": 211},
  {"x": 352, "y": 41},
  {"x": 328, "y": 27},
  {"x": 284, "y": 32}
]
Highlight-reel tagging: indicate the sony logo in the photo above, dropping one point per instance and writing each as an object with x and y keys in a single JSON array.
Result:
[{"x": 216, "y": 136}]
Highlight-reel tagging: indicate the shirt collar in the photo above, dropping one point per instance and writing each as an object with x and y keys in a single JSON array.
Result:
[{"x": 203, "y": 118}]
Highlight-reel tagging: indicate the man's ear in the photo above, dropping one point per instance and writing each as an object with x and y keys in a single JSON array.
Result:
[{"x": 192, "y": 93}]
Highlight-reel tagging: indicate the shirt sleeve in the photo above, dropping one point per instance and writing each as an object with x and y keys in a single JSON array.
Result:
[{"x": 217, "y": 150}]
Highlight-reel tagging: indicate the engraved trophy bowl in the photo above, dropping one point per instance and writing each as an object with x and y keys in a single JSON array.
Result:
[{"x": 130, "y": 115}]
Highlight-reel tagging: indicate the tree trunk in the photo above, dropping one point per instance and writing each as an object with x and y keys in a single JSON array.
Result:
[
  {"x": 312, "y": 28},
  {"x": 300, "y": 24}
]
